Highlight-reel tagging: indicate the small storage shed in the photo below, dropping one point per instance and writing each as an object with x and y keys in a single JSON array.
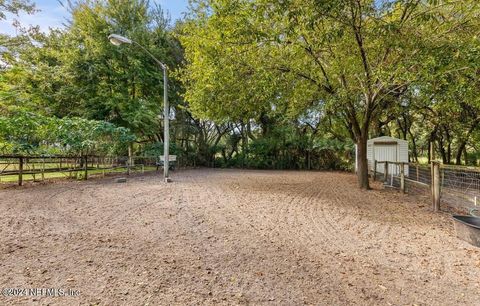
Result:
[{"x": 387, "y": 148}]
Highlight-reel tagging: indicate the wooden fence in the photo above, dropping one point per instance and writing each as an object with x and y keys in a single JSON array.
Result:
[{"x": 17, "y": 167}]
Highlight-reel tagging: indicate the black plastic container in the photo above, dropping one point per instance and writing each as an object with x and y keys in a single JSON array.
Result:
[{"x": 468, "y": 229}]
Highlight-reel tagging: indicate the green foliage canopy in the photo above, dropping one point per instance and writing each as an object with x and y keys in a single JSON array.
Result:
[{"x": 26, "y": 132}]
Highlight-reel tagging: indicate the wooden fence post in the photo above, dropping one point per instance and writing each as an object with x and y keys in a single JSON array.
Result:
[
  {"x": 402, "y": 177},
  {"x": 385, "y": 172},
  {"x": 418, "y": 174},
  {"x": 130, "y": 156},
  {"x": 20, "y": 171},
  {"x": 85, "y": 166},
  {"x": 374, "y": 170},
  {"x": 436, "y": 186},
  {"x": 103, "y": 166},
  {"x": 33, "y": 170},
  {"x": 43, "y": 169}
]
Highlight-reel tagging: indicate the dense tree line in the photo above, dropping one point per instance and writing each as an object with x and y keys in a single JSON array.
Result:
[
  {"x": 408, "y": 68},
  {"x": 255, "y": 83}
]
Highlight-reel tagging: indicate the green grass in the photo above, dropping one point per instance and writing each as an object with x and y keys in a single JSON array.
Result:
[{"x": 423, "y": 160}]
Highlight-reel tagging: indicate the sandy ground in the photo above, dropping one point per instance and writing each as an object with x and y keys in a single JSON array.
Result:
[{"x": 232, "y": 237}]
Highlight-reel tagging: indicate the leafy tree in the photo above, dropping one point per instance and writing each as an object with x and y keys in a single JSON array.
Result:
[
  {"x": 290, "y": 84},
  {"x": 27, "y": 132},
  {"x": 352, "y": 58},
  {"x": 76, "y": 72}
]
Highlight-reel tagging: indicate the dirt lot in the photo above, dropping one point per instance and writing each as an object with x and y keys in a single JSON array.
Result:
[{"x": 232, "y": 237}]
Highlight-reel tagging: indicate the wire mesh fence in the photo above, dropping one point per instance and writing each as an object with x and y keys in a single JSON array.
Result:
[
  {"x": 412, "y": 172},
  {"x": 458, "y": 186},
  {"x": 393, "y": 174},
  {"x": 420, "y": 173}
]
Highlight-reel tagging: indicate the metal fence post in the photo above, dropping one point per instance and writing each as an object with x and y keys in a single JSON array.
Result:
[
  {"x": 374, "y": 170},
  {"x": 402, "y": 177},
  {"x": 418, "y": 174},
  {"x": 432, "y": 182},
  {"x": 436, "y": 186},
  {"x": 385, "y": 172}
]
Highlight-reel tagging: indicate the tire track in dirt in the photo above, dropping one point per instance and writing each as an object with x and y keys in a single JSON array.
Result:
[
  {"x": 306, "y": 211},
  {"x": 238, "y": 237},
  {"x": 311, "y": 227},
  {"x": 239, "y": 203},
  {"x": 306, "y": 215},
  {"x": 288, "y": 227}
]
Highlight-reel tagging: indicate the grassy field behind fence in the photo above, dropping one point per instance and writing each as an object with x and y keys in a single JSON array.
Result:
[{"x": 17, "y": 169}]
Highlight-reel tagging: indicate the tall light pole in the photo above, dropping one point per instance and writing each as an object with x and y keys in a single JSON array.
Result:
[{"x": 117, "y": 40}]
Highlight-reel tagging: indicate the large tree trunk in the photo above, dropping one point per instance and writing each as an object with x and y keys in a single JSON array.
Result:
[
  {"x": 414, "y": 146},
  {"x": 362, "y": 163},
  {"x": 444, "y": 155},
  {"x": 462, "y": 147},
  {"x": 442, "y": 150},
  {"x": 449, "y": 148},
  {"x": 458, "y": 157},
  {"x": 243, "y": 143},
  {"x": 429, "y": 153}
]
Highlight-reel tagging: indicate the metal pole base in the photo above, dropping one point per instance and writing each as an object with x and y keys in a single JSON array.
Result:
[{"x": 167, "y": 180}]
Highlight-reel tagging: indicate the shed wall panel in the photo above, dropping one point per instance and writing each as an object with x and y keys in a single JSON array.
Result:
[{"x": 387, "y": 148}]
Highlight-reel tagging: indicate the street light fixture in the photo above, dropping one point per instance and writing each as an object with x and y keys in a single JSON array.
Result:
[{"x": 117, "y": 40}]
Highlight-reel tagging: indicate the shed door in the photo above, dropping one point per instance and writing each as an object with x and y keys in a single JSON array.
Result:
[{"x": 386, "y": 152}]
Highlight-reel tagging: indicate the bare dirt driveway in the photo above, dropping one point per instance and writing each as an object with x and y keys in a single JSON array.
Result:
[{"x": 232, "y": 237}]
